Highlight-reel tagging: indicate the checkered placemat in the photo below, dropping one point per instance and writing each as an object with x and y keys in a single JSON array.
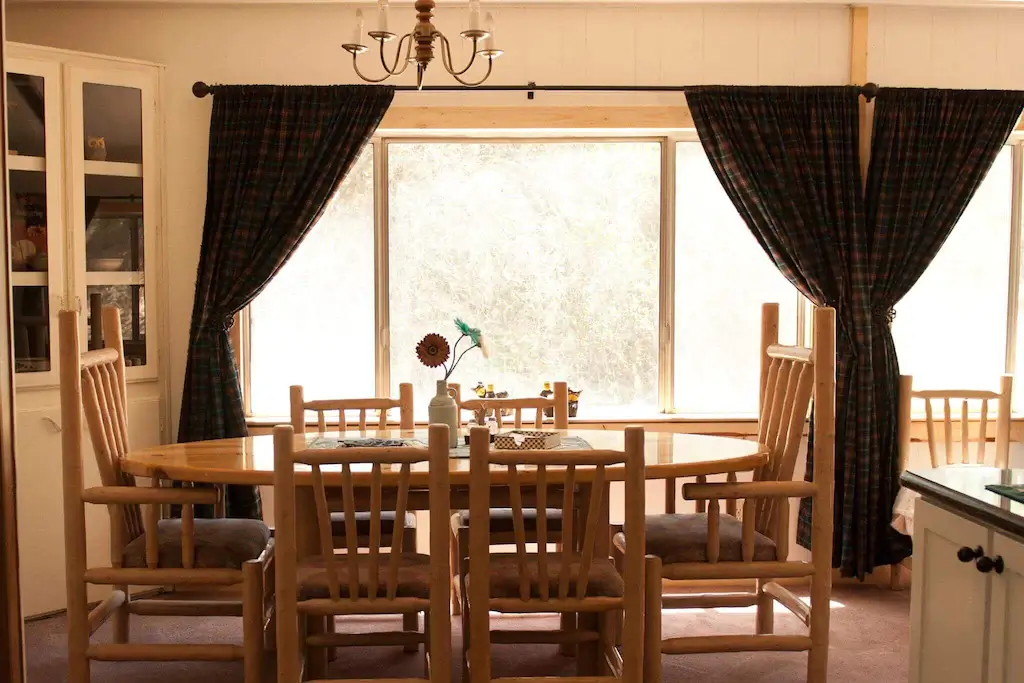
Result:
[{"x": 460, "y": 451}]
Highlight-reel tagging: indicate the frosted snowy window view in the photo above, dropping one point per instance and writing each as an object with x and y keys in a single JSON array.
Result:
[{"x": 552, "y": 248}]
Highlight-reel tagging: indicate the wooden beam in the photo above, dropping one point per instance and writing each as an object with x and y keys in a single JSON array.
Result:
[
  {"x": 859, "y": 76},
  {"x": 518, "y": 118}
]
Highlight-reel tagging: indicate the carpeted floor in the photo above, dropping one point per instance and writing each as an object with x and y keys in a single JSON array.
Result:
[{"x": 870, "y": 641}]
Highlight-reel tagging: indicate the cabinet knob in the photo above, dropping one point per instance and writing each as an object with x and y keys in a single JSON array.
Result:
[
  {"x": 986, "y": 564},
  {"x": 967, "y": 554}
]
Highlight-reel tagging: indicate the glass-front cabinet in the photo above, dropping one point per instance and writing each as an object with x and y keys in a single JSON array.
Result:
[
  {"x": 85, "y": 204},
  {"x": 34, "y": 164}
]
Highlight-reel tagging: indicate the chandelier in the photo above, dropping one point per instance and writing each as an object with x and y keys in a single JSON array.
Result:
[{"x": 423, "y": 37}]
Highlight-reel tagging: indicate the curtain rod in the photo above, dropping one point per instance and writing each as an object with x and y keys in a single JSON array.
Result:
[{"x": 868, "y": 90}]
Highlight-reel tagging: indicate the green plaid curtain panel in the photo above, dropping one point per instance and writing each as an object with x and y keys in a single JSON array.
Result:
[
  {"x": 788, "y": 158},
  {"x": 930, "y": 150},
  {"x": 277, "y": 154}
]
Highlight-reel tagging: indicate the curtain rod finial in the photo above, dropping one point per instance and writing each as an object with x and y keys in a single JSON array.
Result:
[
  {"x": 200, "y": 89},
  {"x": 869, "y": 90}
]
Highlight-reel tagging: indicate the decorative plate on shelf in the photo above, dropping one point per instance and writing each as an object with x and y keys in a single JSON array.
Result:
[{"x": 106, "y": 264}]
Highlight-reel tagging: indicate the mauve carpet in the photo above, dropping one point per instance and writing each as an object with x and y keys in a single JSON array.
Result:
[{"x": 870, "y": 642}]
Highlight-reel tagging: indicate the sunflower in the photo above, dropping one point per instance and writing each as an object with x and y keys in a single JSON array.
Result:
[{"x": 432, "y": 350}]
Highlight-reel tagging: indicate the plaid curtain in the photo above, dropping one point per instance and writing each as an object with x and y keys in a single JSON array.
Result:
[
  {"x": 277, "y": 154},
  {"x": 788, "y": 158},
  {"x": 930, "y": 150}
]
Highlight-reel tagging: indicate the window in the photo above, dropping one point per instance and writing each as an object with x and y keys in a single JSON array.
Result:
[
  {"x": 314, "y": 323},
  {"x": 551, "y": 248},
  {"x": 718, "y": 332},
  {"x": 554, "y": 248},
  {"x": 950, "y": 329}
]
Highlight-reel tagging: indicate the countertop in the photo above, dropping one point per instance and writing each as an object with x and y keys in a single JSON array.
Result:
[{"x": 961, "y": 489}]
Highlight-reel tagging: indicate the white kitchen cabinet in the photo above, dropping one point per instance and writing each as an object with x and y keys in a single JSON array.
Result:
[
  {"x": 1006, "y": 650},
  {"x": 967, "y": 601}
]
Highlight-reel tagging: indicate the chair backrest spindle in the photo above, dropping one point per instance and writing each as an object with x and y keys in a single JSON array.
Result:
[{"x": 963, "y": 427}]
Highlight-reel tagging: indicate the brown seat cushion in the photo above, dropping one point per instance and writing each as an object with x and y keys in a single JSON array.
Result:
[
  {"x": 387, "y": 523},
  {"x": 603, "y": 579},
  {"x": 220, "y": 544},
  {"x": 501, "y": 519},
  {"x": 684, "y": 538},
  {"x": 413, "y": 576}
]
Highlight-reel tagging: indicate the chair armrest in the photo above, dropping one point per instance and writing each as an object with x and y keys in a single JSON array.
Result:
[
  {"x": 141, "y": 495},
  {"x": 749, "y": 489}
]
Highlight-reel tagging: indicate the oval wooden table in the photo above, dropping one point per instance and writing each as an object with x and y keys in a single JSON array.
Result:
[{"x": 250, "y": 460}]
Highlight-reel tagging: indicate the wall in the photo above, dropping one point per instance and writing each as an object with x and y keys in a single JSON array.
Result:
[
  {"x": 300, "y": 44},
  {"x": 946, "y": 47}
]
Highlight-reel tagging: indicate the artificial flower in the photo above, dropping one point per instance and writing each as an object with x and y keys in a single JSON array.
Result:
[
  {"x": 471, "y": 332},
  {"x": 432, "y": 350},
  {"x": 485, "y": 348}
]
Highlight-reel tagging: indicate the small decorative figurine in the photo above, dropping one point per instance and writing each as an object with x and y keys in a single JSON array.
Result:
[
  {"x": 574, "y": 401},
  {"x": 96, "y": 148}
]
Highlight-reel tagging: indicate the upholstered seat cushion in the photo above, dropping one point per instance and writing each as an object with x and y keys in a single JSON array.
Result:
[
  {"x": 413, "y": 576},
  {"x": 502, "y": 521},
  {"x": 387, "y": 523},
  {"x": 602, "y": 580},
  {"x": 220, "y": 544},
  {"x": 683, "y": 538}
]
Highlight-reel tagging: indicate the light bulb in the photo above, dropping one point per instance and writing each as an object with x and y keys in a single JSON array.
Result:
[
  {"x": 474, "y": 15},
  {"x": 382, "y": 16}
]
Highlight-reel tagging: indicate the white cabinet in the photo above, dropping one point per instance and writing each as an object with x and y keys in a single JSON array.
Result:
[
  {"x": 966, "y": 625},
  {"x": 1006, "y": 650},
  {"x": 85, "y": 191},
  {"x": 86, "y": 201}
]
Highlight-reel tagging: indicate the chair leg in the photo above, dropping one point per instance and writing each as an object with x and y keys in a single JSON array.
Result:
[
  {"x": 608, "y": 629},
  {"x": 765, "y": 610},
  {"x": 316, "y": 657},
  {"x": 330, "y": 626},
  {"x": 252, "y": 620},
  {"x": 652, "y": 620},
  {"x": 410, "y": 621},
  {"x": 619, "y": 558},
  {"x": 453, "y": 554},
  {"x": 426, "y": 645},
  {"x": 587, "y": 653},
  {"x": 122, "y": 617}
]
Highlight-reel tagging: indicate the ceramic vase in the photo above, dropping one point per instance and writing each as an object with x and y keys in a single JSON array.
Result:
[{"x": 442, "y": 410}]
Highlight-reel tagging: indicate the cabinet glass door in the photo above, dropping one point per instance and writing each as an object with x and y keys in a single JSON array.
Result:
[
  {"x": 34, "y": 176},
  {"x": 112, "y": 144}
]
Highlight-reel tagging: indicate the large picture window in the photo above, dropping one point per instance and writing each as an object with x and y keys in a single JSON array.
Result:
[{"x": 618, "y": 265}]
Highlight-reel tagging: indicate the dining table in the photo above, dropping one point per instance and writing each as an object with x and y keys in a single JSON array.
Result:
[{"x": 250, "y": 461}]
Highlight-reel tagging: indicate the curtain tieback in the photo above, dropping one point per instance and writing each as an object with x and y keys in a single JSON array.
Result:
[{"x": 885, "y": 314}]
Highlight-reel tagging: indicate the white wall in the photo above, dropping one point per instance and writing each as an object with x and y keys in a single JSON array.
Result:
[
  {"x": 300, "y": 44},
  {"x": 946, "y": 47}
]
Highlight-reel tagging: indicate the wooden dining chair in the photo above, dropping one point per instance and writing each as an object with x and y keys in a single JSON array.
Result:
[
  {"x": 311, "y": 590},
  {"x": 973, "y": 445},
  {"x": 754, "y": 545},
  {"x": 501, "y": 518},
  {"x": 362, "y": 406},
  {"x": 145, "y": 550},
  {"x": 577, "y": 580}
]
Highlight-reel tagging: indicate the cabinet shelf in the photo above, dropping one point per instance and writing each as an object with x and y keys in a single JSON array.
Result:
[
  {"x": 114, "y": 277},
  {"x": 29, "y": 278},
  {"x": 17, "y": 162},
  {"x": 113, "y": 168}
]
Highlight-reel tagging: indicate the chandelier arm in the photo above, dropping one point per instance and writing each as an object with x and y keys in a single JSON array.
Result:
[
  {"x": 446, "y": 56},
  {"x": 490, "y": 65},
  {"x": 394, "y": 70},
  {"x": 355, "y": 66}
]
